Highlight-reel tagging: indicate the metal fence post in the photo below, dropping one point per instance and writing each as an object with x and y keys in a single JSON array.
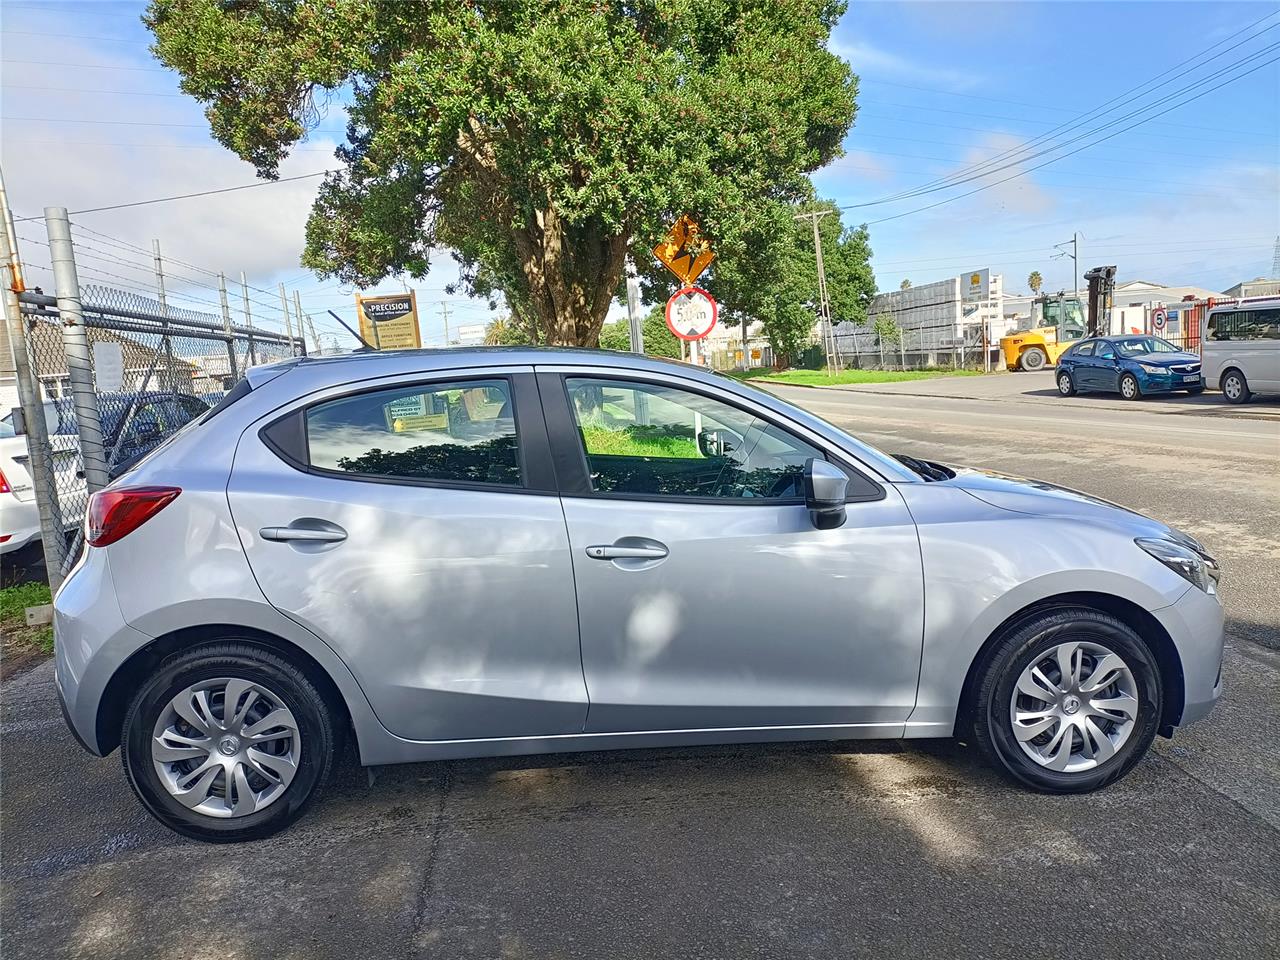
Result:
[
  {"x": 226, "y": 324},
  {"x": 248, "y": 319},
  {"x": 38, "y": 452},
  {"x": 288, "y": 324},
  {"x": 171, "y": 376},
  {"x": 75, "y": 343}
]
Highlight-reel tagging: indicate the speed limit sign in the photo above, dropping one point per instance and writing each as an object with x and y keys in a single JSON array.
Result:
[
  {"x": 1159, "y": 318},
  {"x": 691, "y": 313}
]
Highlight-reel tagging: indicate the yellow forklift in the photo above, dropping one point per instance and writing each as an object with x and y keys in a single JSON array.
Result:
[{"x": 1057, "y": 321}]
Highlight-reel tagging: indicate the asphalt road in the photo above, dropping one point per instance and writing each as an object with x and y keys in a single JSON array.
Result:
[{"x": 830, "y": 850}]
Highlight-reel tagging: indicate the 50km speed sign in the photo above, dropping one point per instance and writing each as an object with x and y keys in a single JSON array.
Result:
[{"x": 691, "y": 313}]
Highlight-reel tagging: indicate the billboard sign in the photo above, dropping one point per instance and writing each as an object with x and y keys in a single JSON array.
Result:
[
  {"x": 391, "y": 322},
  {"x": 975, "y": 286}
]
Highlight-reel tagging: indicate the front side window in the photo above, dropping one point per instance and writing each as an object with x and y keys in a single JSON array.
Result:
[
  {"x": 461, "y": 432},
  {"x": 1245, "y": 325},
  {"x": 651, "y": 440}
]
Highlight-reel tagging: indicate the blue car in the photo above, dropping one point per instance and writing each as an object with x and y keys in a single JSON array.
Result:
[{"x": 1132, "y": 366}]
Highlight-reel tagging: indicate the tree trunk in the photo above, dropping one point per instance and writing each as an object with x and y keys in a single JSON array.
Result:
[{"x": 573, "y": 271}]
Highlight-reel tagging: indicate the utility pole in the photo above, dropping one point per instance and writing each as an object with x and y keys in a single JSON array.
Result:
[
  {"x": 824, "y": 305},
  {"x": 1075, "y": 261},
  {"x": 633, "y": 309},
  {"x": 444, "y": 309},
  {"x": 75, "y": 342},
  {"x": 38, "y": 452}
]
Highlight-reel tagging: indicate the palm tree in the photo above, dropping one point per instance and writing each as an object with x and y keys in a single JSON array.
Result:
[
  {"x": 1035, "y": 282},
  {"x": 498, "y": 332},
  {"x": 905, "y": 285}
]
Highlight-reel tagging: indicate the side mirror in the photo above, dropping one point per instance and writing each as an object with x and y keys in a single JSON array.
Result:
[{"x": 825, "y": 489}]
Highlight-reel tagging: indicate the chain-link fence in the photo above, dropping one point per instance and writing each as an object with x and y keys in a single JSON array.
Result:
[{"x": 140, "y": 368}]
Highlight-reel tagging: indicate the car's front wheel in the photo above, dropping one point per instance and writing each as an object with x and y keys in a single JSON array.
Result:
[
  {"x": 1068, "y": 701},
  {"x": 227, "y": 742},
  {"x": 1129, "y": 388}
]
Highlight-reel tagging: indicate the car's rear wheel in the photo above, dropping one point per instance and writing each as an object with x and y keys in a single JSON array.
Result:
[
  {"x": 1235, "y": 387},
  {"x": 227, "y": 742},
  {"x": 1066, "y": 386},
  {"x": 1129, "y": 388},
  {"x": 1068, "y": 701},
  {"x": 1033, "y": 358}
]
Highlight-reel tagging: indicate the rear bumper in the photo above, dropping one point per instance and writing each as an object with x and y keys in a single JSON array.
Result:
[
  {"x": 91, "y": 641},
  {"x": 1195, "y": 623},
  {"x": 19, "y": 522}
]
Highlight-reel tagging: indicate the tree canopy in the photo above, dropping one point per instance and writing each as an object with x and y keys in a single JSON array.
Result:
[{"x": 540, "y": 140}]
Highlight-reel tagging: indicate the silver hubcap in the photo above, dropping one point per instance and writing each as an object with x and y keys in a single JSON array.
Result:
[
  {"x": 1074, "y": 706},
  {"x": 1064, "y": 384},
  {"x": 1128, "y": 387},
  {"x": 226, "y": 747},
  {"x": 1231, "y": 388}
]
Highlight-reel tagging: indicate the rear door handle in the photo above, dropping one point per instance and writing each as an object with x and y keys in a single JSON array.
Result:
[
  {"x": 331, "y": 533},
  {"x": 615, "y": 552}
]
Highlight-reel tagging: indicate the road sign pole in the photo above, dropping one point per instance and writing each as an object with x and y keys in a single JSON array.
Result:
[{"x": 633, "y": 308}]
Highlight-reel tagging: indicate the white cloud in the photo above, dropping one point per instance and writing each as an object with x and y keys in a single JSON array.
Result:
[{"x": 862, "y": 56}]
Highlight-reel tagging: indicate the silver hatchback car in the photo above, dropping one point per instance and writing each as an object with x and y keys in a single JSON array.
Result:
[{"x": 463, "y": 553}]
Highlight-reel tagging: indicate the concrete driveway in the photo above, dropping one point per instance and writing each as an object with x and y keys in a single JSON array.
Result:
[{"x": 827, "y": 850}]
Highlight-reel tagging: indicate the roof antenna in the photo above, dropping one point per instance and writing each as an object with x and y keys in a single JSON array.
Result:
[{"x": 363, "y": 342}]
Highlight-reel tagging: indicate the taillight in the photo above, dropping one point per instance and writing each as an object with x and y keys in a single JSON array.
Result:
[
  {"x": 117, "y": 512},
  {"x": 4, "y": 486}
]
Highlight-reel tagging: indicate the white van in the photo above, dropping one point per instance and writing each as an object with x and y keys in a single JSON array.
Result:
[{"x": 1240, "y": 349}]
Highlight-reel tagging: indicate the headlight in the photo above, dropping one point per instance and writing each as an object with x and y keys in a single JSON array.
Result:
[
  {"x": 1192, "y": 565},
  {"x": 1150, "y": 368}
]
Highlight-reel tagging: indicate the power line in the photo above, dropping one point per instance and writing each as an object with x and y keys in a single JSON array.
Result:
[
  {"x": 75, "y": 36},
  {"x": 976, "y": 170},
  {"x": 95, "y": 66},
  {"x": 202, "y": 193},
  {"x": 1086, "y": 146}
]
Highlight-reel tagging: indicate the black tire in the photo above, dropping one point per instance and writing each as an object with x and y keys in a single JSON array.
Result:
[
  {"x": 1235, "y": 387},
  {"x": 319, "y": 735},
  {"x": 1033, "y": 358},
  {"x": 1195, "y": 391},
  {"x": 1066, "y": 385},
  {"x": 1022, "y": 644},
  {"x": 1135, "y": 392}
]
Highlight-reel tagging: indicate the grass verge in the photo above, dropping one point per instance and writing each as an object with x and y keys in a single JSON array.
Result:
[
  {"x": 821, "y": 378},
  {"x": 23, "y": 645}
]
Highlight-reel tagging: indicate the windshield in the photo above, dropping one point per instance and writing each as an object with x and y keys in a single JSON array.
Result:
[{"x": 1138, "y": 346}]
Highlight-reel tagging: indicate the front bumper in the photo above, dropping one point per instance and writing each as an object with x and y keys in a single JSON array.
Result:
[
  {"x": 1195, "y": 623},
  {"x": 1167, "y": 382}
]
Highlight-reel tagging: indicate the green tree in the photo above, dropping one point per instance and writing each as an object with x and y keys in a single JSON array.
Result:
[
  {"x": 1035, "y": 282},
  {"x": 506, "y": 331},
  {"x": 887, "y": 330},
  {"x": 775, "y": 279},
  {"x": 905, "y": 285},
  {"x": 540, "y": 140},
  {"x": 659, "y": 341}
]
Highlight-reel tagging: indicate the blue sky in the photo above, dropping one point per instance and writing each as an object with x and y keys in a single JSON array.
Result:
[{"x": 1191, "y": 198}]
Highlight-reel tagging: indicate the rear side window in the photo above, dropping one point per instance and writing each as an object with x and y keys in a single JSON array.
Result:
[
  {"x": 460, "y": 432},
  {"x": 1084, "y": 350}
]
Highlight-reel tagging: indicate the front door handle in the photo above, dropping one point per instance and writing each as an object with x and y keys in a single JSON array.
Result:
[
  {"x": 617, "y": 551},
  {"x": 330, "y": 533}
]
